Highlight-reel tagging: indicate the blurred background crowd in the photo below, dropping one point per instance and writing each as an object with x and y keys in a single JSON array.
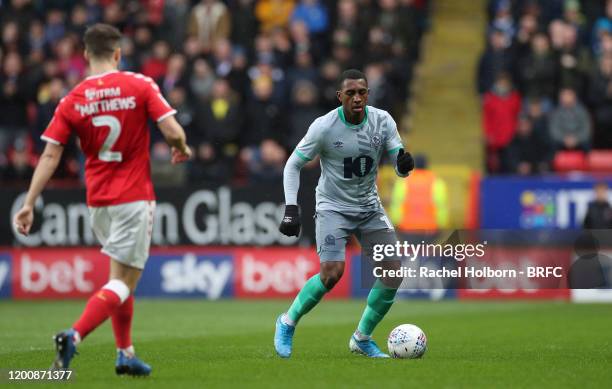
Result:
[
  {"x": 545, "y": 80},
  {"x": 246, "y": 76}
]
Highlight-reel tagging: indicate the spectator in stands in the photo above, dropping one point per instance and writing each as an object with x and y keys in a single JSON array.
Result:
[
  {"x": 599, "y": 212},
  {"x": 238, "y": 77},
  {"x": 264, "y": 115},
  {"x": 313, "y": 14},
  {"x": 570, "y": 124},
  {"x": 495, "y": 60},
  {"x": 70, "y": 61},
  {"x": 528, "y": 27},
  {"x": 143, "y": 41},
  {"x": 173, "y": 28},
  {"x": 201, "y": 80},
  {"x": 14, "y": 97},
  {"x": 273, "y": 13},
  {"x": 265, "y": 163},
  {"x": 538, "y": 70},
  {"x": 11, "y": 39},
  {"x": 408, "y": 28},
  {"x": 574, "y": 62},
  {"x": 378, "y": 47},
  {"x": 209, "y": 21},
  {"x": 600, "y": 97},
  {"x": 503, "y": 21},
  {"x": 602, "y": 28},
  {"x": 348, "y": 21},
  {"x": 572, "y": 15},
  {"x": 244, "y": 23},
  {"x": 129, "y": 62},
  {"x": 303, "y": 70},
  {"x": 501, "y": 107},
  {"x": 398, "y": 72},
  {"x": 177, "y": 97},
  {"x": 381, "y": 93},
  {"x": 55, "y": 27},
  {"x": 218, "y": 124},
  {"x": 222, "y": 58},
  {"x": 305, "y": 111},
  {"x": 157, "y": 65},
  {"x": 282, "y": 47},
  {"x": 330, "y": 71},
  {"x": 78, "y": 20},
  {"x": 527, "y": 154},
  {"x": 49, "y": 96},
  {"x": 389, "y": 18},
  {"x": 302, "y": 42},
  {"x": 19, "y": 169}
]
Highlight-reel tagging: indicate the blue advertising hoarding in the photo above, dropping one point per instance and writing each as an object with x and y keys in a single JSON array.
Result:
[
  {"x": 5, "y": 275},
  {"x": 188, "y": 274},
  {"x": 536, "y": 203}
]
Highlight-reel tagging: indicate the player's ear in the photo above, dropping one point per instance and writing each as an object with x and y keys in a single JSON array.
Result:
[
  {"x": 117, "y": 54},
  {"x": 86, "y": 55},
  {"x": 339, "y": 94}
]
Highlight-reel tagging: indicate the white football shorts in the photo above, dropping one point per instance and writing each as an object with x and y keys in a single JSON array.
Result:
[{"x": 124, "y": 230}]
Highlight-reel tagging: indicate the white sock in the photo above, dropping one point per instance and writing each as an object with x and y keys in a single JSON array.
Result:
[
  {"x": 76, "y": 338},
  {"x": 361, "y": 337},
  {"x": 287, "y": 320},
  {"x": 129, "y": 351}
]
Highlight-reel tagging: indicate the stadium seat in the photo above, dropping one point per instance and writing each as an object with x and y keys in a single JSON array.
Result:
[
  {"x": 600, "y": 161},
  {"x": 567, "y": 161}
]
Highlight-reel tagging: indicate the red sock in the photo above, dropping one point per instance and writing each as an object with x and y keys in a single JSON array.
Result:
[
  {"x": 122, "y": 323},
  {"x": 99, "y": 307}
]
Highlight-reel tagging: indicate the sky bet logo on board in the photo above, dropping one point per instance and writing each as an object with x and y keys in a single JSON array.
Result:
[
  {"x": 58, "y": 273},
  {"x": 5, "y": 275},
  {"x": 278, "y": 272},
  {"x": 187, "y": 275}
]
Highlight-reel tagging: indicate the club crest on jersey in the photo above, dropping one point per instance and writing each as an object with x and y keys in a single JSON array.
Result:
[
  {"x": 376, "y": 140},
  {"x": 338, "y": 144}
]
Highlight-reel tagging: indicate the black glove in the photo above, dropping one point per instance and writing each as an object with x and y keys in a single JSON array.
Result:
[
  {"x": 405, "y": 162},
  {"x": 290, "y": 225}
]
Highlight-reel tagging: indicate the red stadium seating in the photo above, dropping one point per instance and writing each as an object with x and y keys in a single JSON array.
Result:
[
  {"x": 567, "y": 161},
  {"x": 600, "y": 161}
]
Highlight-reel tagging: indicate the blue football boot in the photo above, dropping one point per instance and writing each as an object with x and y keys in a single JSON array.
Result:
[
  {"x": 366, "y": 347},
  {"x": 131, "y": 365},
  {"x": 283, "y": 338},
  {"x": 65, "y": 349}
]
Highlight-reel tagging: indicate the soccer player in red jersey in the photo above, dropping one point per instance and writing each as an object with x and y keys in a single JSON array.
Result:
[{"x": 108, "y": 111}]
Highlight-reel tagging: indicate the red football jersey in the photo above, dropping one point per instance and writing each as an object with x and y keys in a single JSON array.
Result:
[{"x": 109, "y": 112}]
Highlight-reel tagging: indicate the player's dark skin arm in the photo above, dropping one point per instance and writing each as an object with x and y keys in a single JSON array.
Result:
[{"x": 47, "y": 164}]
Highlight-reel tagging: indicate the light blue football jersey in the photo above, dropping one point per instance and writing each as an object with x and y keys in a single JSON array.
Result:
[{"x": 350, "y": 155}]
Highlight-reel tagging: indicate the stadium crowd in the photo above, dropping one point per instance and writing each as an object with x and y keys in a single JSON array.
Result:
[
  {"x": 546, "y": 81},
  {"x": 246, "y": 76}
]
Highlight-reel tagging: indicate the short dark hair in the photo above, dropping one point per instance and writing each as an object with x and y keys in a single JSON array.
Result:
[
  {"x": 101, "y": 40},
  {"x": 351, "y": 74}
]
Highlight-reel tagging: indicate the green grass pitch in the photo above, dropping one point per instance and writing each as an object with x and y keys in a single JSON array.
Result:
[{"x": 193, "y": 343}]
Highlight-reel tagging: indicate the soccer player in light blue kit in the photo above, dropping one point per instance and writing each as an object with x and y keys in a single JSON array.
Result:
[{"x": 350, "y": 141}]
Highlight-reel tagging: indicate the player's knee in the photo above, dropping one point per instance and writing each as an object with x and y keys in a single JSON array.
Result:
[
  {"x": 331, "y": 272},
  {"x": 330, "y": 280}
]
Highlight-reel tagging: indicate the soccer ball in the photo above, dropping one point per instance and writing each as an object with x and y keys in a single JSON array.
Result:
[{"x": 407, "y": 341}]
